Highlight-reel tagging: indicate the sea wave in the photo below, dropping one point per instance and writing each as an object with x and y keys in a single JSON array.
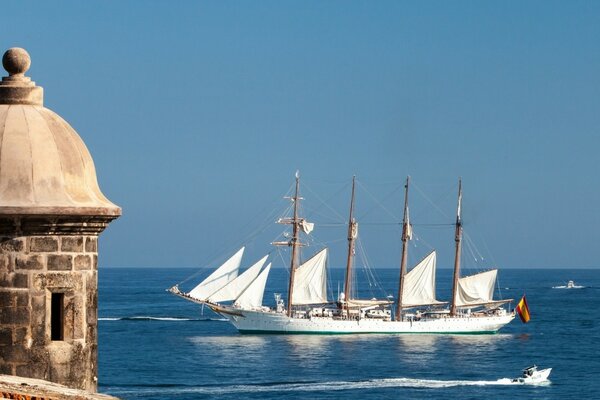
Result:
[
  {"x": 314, "y": 386},
  {"x": 148, "y": 318}
]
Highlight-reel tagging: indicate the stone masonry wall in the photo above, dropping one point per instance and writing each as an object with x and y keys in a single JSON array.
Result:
[{"x": 31, "y": 269}]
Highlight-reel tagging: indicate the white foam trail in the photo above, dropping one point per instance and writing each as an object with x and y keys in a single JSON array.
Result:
[
  {"x": 567, "y": 287},
  {"x": 148, "y": 318},
  {"x": 327, "y": 386},
  {"x": 145, "y": 318}
]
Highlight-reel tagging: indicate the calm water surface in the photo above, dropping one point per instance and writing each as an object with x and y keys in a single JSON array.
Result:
[{"x": 153, "y": 345}]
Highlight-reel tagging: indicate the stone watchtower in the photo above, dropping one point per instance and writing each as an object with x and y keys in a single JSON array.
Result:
[{"x": 51, "y": 213}]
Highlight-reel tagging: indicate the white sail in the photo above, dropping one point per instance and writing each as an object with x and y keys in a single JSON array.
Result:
[
  {"x": 310, "y": 280},
  {"x": 307, "y": 227},
  {"x": 252, "y": 297},
  {"x": 419, "y": 284},
  {"x": 476, "y": 289},
  {"x": 222, "y": 275},
  {"x": 234, "y": 288}
]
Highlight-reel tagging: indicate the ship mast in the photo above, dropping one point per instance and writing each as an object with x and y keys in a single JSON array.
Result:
[
  {"x": 294, "y": 244},
  {"x": 352, "y": 231},
  {"x": 405, "y": 238},
  {"x": 457, "y": 239}
]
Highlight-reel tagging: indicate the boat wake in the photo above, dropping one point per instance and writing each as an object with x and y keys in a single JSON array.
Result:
[
  {"x": 148, "y": 318},
  {"x": 568, "y": 287},
  {"x": 319, "y": 386}
]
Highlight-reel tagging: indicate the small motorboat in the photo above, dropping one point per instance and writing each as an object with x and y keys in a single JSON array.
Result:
[
  {"x": 569, "y": 285},
  {"x": 532, "y": 375}
]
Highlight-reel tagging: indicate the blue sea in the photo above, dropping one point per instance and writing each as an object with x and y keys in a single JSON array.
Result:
[{"x": 153, "y": 345}]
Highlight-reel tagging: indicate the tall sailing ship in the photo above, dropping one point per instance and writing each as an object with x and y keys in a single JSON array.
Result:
[{"x": 238, "y": 297}]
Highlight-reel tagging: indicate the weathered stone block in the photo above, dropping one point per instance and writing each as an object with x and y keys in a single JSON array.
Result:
[
  {"x": 11, "y": 244},
  {"x": 38, "y": 320},
  {"x": 6, "y": 368},
  {"x": 39, "y": 335},
  {"x": 91, "y": 283},
  {"x": 17, "y": 354},
  {"x": 20, "y": 281},
  {"x": 74, "y": 316},
  {"x": 91, "y": 245},
  {"x": 92, "y": 335},
  {"x": 72, "y": 244},
  {"x": 60, "y": 262},
  {"x": 82, "y": 262},
  {"x": 21, "y": 335},
  {"x": 5, "y": 280},
  {"x": 91, "y": 314},
  {"x": 33, "y": 369},
  {"x": 63, "y": 280},
  {"x": 43, "y": 244},
  {"x": 22, "y": 298},
  {"x": 7, "y": 299},
  {"x": 15, "y": 316},
  {"x": 3, "y": 262},
  {"x": 6, "y": 336},
  {"x": 78, "y": 319},
  {"x": 39, "y": 282},
  {"x": 7, "y": 262},
  {"x": 30, "y": 262},
  {"x": 38, "y": 304}
]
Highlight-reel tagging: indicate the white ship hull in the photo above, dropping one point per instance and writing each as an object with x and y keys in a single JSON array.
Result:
[{"x": 272, "y": 322}]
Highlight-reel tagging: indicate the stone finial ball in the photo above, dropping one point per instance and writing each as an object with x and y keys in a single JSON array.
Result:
[{"x": 16, "y": 61}]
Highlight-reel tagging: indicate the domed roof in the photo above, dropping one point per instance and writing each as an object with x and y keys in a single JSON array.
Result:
[{"x": 45, "y": 168}]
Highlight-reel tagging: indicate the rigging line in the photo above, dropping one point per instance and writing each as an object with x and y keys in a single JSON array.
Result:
[
  {"x": 267, "y": 224},
  {"x": 262, "y": 227},
  {"x": 223, "y": 250},
  {"x": 470, "y": 250},
  {"x": 499, "y": 288},
  {"x": 487, "y": 249},
  {"x": 290, "y": 190},
  {"x": 325, "y": 203},
  {"x": 373, "y": 278},
  {"x": 478, "y": 254},
  {"x": 380, "y": 223},
  {"x": 325, "y": 244},
  {"x": 377, "y": 201},
  {"x": 333, "y": 225},
  {"x": 386, "y": 183},
  {"x": 363, "y": 259},
  {"x": 286, "y": 212},
  {"x": 327, "y": 272},
  {"x": 313, "y": 214},
  {"x": 469, "y": 246},
  {"x": 330, "y": 182},
  {"x": 418, "y": 238},
  {"x": 345, "y": 224},
  {"x": 419, "y": 190},
  {"x": 433, "y": 225},
  {"x": 286, "y": 265}
]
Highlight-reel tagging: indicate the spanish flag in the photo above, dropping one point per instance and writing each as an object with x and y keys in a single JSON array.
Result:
[{"x": 523, "y": 310}]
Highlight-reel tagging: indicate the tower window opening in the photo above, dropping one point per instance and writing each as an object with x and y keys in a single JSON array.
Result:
[{"x": 57, "y": 317}]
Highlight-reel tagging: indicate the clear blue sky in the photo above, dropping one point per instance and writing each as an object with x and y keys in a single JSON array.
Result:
[{"x": 197, "y": 114}]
